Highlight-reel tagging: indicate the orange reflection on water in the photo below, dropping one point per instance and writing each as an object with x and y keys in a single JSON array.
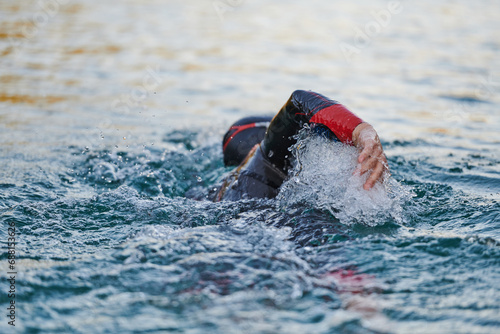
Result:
[{"x": 30, "y": 99}]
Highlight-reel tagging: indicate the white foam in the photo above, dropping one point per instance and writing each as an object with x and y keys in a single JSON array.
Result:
[{"x": 323, "y": 178}]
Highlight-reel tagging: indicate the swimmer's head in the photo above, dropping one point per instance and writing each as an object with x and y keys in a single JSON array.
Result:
[{"x": 241, "y": 137}]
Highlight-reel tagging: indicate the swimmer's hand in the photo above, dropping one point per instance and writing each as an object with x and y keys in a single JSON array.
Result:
[{"x": 372, "y": 157}]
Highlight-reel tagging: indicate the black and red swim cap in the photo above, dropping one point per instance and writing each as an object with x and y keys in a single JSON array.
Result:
[{"x": 241, "y": 137}]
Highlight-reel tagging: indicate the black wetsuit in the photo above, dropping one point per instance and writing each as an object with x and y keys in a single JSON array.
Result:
[{"x": 265, "y": 166}]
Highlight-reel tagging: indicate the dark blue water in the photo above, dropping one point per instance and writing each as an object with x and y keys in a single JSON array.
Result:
[
  {"x": 139, "y": 254},
  {"x": 111, "y": 123}
]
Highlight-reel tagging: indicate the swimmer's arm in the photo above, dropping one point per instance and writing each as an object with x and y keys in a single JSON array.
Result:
[
  {"x": 372, "y": 155},
  {"x": 309, "y": 107}
]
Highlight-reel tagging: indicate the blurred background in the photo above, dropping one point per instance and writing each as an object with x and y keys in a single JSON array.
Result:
[{"x": 135, "y": 68}]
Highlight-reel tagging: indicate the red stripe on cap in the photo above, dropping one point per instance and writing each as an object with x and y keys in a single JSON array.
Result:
[
  {"x": 238, "y": 129},
  {"x": 338, "y": 119}
]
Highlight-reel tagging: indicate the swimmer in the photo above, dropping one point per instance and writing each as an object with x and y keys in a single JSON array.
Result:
[{"x": 259, "y": 146}]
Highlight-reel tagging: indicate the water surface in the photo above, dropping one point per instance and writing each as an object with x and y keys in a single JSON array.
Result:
[{"x": 111, "y": 120}]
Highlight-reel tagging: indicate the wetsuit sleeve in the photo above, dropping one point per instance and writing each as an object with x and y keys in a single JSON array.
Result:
[{"x": 305, "y": 107}]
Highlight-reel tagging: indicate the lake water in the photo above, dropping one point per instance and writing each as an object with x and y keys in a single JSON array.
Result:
[{"x": 111, "y": 120}]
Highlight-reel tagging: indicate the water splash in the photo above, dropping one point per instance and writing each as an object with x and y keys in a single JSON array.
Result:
[{"x": 323, "y": 178}]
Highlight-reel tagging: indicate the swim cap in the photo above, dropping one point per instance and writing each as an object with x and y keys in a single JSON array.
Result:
[{"x": 241, "y": 137}]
